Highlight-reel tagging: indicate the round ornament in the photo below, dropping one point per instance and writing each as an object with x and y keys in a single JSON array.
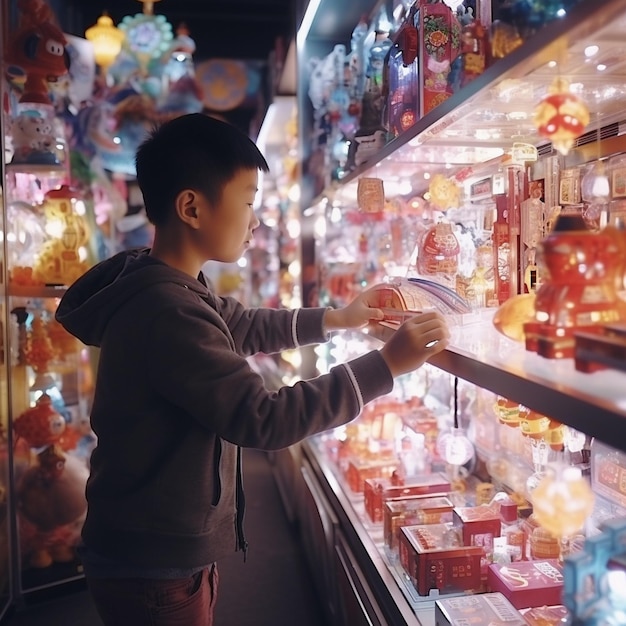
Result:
[
  {"x": 563, "y": 500},
  {"x": 561, "y": 116},
  {"x": 147, "y": 36},
  {"x": 224, "y": 83}
]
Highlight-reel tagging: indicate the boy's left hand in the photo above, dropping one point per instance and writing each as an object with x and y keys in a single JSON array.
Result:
[{"x": 360, "y": 312}]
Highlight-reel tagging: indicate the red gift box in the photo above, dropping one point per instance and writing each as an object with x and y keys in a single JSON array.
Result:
[
  {"x": 528, "y": 583},
  {"x": 478, "y": 524},
  {"x": 378, "y": 490},
  {"x": 431, "y": 564},
  {"x": 414, "y": 511},
  {"x": 359, "y": 470},
  {"x": 440, "y": 44}
]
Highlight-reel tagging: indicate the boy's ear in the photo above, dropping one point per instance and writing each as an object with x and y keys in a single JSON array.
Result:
[{"x": 187, "y": 207}]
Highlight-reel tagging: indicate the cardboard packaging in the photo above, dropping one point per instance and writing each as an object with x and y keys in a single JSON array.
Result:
[
  {"x": 414, "y": 511},
  {"x": 377, "y": 491},
  {"x": 479, "y": 525},
  {"x": 359, "y": 470},
  {"x": 528, "y": 583},
  {"x": 481, "y": 609},
  {"x": 432, "y": 563}
]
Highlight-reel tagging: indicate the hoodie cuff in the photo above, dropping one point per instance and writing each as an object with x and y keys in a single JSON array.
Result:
[
  {"x": 370, "y": 376},
  {"x": 307, "y": 326}
]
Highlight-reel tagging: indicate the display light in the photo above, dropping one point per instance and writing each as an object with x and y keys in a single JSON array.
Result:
[{"x": 107, "y": 41}]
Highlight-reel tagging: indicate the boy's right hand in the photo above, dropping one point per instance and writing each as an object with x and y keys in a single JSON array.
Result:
[{"x": 415, "y": 341}]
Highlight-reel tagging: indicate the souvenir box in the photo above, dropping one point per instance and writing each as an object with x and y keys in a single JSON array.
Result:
[
  {"x": 359, "y": 470},
  {"x": 377, "y": 491},
  {"x": 432, "y": 563},
  {"x": 478, "y": 525},
  {"x": 481, "y": 609},
  {"x": 414, "y": 511},
  {"x": 440, "y": 45},
  {"x": 528, "y": 583}
]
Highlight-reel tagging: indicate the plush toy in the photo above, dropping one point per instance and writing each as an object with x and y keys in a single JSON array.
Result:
[
  {"x": 33, "y": 140},
  {"x": 40, "y": 425},
  {"x": 51, "y": 505},
  {"x": 38, "y": 49}
]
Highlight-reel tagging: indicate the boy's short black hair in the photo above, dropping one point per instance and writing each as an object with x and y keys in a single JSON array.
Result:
[{"x": 193, "y": 151}]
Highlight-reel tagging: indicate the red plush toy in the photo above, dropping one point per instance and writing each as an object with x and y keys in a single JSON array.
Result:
[{"x": 38, "y": 49}]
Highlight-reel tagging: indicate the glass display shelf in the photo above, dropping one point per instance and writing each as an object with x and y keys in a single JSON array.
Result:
[
  {"x": 475, "y": 124},
  {"x": 401, "y": 601},
  {"x": 594, "y": 403}
]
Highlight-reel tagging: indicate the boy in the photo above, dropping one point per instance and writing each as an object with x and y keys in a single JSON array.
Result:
[{"x": 175, "y": 398}]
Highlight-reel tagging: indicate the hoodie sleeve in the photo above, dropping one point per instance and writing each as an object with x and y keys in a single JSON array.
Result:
[
  {"x": 198, "y": 371},
  {"x": 271, "y": 330}
]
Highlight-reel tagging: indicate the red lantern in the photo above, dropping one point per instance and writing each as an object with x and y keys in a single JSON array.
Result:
[{"x": 561, "y": 116}]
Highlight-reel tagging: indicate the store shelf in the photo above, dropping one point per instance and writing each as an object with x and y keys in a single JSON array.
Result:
[
  {"x": 35, "y": 291},
  {"x": 476, "y": 123},
  {"x": 392, "y": 593},
  {"x": 592, "y": 403}
]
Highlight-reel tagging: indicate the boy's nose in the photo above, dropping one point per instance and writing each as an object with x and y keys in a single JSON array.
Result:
[{"x": 254, "y": 222}]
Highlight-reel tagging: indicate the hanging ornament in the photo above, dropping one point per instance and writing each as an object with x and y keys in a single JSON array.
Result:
[
  {"x": 454, "y": 447},
  {"x": 561, "y": 116},
  {"x": 107, "y": 41},
  {"x": 148, "y": 36},
  {"x": 444, "y": 192}
]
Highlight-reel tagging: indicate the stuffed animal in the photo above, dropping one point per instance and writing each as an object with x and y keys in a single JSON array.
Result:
[
  {"x": 33, "y": 139},
  {"x": 51, "y": 504}
]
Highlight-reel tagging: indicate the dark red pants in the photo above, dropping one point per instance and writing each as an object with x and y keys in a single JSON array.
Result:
[{"x": 144, "y": 602}]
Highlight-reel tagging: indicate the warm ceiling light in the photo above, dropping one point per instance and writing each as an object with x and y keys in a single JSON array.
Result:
[
  {"x": 591, "y": 51},
  {"x": 107, "y": 40}
]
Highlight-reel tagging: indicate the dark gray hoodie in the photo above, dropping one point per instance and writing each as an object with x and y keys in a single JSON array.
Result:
[{"x": 175, "y": 398}]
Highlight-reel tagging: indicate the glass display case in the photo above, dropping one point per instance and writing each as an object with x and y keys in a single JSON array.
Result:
[
  {"x": 462, "y": 197},
  {"x": 48, "y": 241},
  {"x": 6, "y": 534}
]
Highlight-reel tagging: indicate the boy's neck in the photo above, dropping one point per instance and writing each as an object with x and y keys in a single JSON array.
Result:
[{"x": 177, "y": 256}]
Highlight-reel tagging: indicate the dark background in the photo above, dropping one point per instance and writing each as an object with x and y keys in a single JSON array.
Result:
[
  {"x": 258, "y": 32},
  {"x": 227, "y": 29}
]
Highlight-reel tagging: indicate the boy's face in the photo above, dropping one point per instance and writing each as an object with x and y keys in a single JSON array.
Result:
[{"x": 228, "y": 229}]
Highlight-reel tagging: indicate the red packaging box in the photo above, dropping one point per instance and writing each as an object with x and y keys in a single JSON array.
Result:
[
  {"x": 478, "y": 524},
  {"x": 359, "y": 470},
  {"x": 431, "y": 564},
  {"x": 378, "y": 490},
  {"x": 481, "y": 609},
  {"x": 440, "y": 44},
  {"x": 415, "y": 511},
  {"x": 528, "y": 583}
]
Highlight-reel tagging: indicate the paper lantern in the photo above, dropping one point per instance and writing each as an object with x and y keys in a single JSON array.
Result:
[
  {"x": 561, "y": 116},
  {"x": 107, "y": 41}
]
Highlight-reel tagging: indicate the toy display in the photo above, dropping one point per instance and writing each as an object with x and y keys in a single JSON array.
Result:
[{"x": 38, "y": 50}]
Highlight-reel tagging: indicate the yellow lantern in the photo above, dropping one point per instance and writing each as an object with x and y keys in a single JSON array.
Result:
[{"x": 107, "y": 41}]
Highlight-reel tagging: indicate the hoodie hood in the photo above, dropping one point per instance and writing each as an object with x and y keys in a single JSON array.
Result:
[{"x": 90, "y": 302}]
